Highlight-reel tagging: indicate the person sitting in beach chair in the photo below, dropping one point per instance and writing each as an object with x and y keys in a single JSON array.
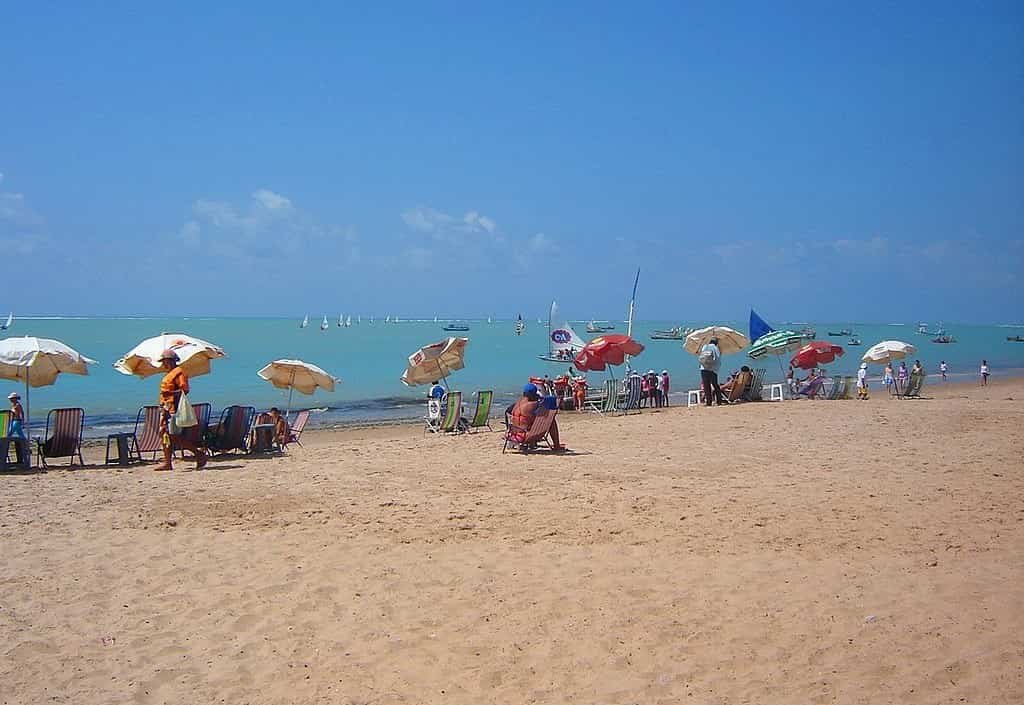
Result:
[
  {"x": 521, "y": 418},
  {"x": 737, "y": 385},
  {"x": 812, "y": 386},
  {"x": 281, "y": 429}
]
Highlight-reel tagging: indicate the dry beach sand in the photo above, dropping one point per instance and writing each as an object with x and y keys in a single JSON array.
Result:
[{"x": 802, "y": 552}]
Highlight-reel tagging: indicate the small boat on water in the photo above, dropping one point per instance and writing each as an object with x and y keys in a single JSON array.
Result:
[
  {"x": 677, "y": 333},
  {"x": 600, "y": 326},
  {"x": 341, "y": 320},
  {"x": 348, "y": 321},
  {"x": 809, "y": 333},
  {"x": 1015, "y": 338},
  {"x": 10, "y": 320},
  {"x": 842, "y": 332},
  {"x": 853, "y": 341},
  {"x": 520, "y": 324},
  {"x": 461, "y": 327},
  {"x": 944, "y": 339},
  {"x": 324, "y": 325},
  {"x": 305, "y": 322}
]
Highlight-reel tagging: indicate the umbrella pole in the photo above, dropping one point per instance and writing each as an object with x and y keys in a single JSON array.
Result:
[{"x": 291, "y": 387}]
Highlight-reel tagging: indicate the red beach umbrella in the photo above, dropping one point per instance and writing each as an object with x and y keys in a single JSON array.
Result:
[
  {"x": 606, "y": 350},
  {"x": 817, "y": 352}
]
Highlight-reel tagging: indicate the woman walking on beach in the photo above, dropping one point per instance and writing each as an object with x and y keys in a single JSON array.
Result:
[
  {"x": 902, "y": 377},
  {"x": 172, "y": 387},
  {"x": 984, "y": 373}
]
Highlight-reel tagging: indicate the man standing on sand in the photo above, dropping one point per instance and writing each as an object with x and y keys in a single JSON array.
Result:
[
  {"x": 710, "y": 362},
  {"x": 943, "y": 369},
  {"x": 172, "y": 387},
  {"x": 984, "y": 373}
]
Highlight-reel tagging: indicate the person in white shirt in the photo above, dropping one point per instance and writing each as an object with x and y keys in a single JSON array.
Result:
[
  {"x": 862, "y": 381},
  {"x": 984, "y": 373},
  {"x": 943, "y": 369}
]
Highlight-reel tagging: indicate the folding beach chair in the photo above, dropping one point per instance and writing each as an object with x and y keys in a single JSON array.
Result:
[
  {"x": 594, "y": 399},
  {"x": 10, "y": 443},
  {"x": 233, "y": 430},
  {"x": 631, "y": 400},
  {"x": 756, "y": 386},
  {"x": 525, "y": 439},
  {"x": 433, "y": 417},
  {"x": 197, "y": 433},
  {"x": 836, "y": 391},
  {"x": 452, "y": 419},
  {"x": 147, "y": 430},
  {"x": 295, "y": 429},
  {"x": 610, "y": 398},
  {"x": 63, "y": 438},
  {"x": 740, "y": 388},
  {"x": 850, "y": 383},
  {"x": 482, "y": 415},
  {"x": 812, "y": 389}
]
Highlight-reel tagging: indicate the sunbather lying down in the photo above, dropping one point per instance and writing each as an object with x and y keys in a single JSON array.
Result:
[{"x": 531, "y": 422}]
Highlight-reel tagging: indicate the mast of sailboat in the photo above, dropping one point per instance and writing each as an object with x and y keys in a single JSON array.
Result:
[
  {"x": 551, "y": 314},
  {"x": 632, "y": 308}
]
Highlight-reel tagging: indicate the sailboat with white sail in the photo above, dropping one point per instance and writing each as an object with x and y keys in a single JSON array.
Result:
[
  {"x": 563, "y": 342},
  {"x": 348, "y": 321},
  {"x": 10, "y": 320},
  {"x": 325, "y": 325},
  {"x": 305, "y": 322},
  {"x": 341, "y": 320}
]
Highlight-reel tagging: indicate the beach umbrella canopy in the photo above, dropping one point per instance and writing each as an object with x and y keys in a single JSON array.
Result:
[
  {"x": 729, "y": 340},
  {"x": 38, "y": 362},
  {"x": 194, "y": 355},
  {"x": 440, "y": 359},
  {"x": 301, "y": 376},
  {"x": 606, "y": 350},
  {"x": 818, "y": 352},
  {"x": 777, "y": 342},
  {"x": 887, "y": 351},
  {"x": 297, "y": 375}
]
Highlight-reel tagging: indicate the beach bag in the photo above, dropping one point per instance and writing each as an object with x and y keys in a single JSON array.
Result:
[{"x": 185, "y": 416}]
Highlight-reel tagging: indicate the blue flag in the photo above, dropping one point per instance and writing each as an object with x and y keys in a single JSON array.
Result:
[{"x": 758, "y": 327}]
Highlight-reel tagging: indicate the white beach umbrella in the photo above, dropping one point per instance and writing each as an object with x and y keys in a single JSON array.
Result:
[
  {"x": 194, "y": 355},
  {"x": 729, "y": 340},
  {"x": 298, "y": 375},
  {"x": 887, "y": 351},
  {"x": 38, "y": 362},
  {"x": 433, "y": 361}
]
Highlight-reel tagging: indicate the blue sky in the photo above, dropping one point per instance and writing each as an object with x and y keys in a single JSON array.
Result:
[{"x": 267, "y": 158}]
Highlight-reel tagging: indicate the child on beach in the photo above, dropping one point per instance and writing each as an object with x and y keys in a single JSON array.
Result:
[
  {"x": 943, "y": 369},
  {"x": 862, "y": 381},
  {"x": 888, "y": 379},
  {"x": 17, "y": 427},
  {"x": 984, "y": 373}
]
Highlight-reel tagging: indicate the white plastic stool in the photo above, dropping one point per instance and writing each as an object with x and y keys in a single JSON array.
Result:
[
  {"x": 775, "y": 393},
  {"x": 694, "y": 397}
]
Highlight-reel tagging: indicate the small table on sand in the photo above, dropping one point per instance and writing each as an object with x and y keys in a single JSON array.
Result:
[{"x": 262, "y": 438}]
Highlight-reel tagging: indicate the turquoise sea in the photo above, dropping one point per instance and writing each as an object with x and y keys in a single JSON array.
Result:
[{"x": 371, "y": 358}]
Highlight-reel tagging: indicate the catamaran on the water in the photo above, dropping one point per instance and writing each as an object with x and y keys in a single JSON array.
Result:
[
  {"x": 600, "y": 326},
  {"x": 305, "y": 322},
  {"x": 563, "y": 342}
]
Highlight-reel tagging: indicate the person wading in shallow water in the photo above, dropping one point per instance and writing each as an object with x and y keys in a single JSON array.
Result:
[{"x": 172, "y": 386}]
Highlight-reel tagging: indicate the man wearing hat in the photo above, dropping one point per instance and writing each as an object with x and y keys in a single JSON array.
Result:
[
  {"x": 172, "y": 386},
  {"x": 862, "y": 381}
]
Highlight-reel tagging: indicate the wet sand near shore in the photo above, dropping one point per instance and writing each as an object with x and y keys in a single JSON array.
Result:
[{"x": 796, "y": 552}]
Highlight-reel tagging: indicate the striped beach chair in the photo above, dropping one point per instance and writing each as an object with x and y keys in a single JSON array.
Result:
[
  {"x": 482, "y": 415},
  {"x": 451, "y": 420},
  {"x": 63, "y": 437},
  {"x": 232, "y": 432},
  {"x": 147, "y": 430},
  {"x": 295, "y": 429}
]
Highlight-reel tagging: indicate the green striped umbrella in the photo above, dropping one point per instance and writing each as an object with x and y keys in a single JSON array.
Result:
[{"x": 777, "y": 343}]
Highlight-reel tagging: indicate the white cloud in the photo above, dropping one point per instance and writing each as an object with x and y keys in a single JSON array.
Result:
[
  {"x": 445, "y": 227},
  {"x": 540, "y": 243},
  {"x": 268, "y": 226}
]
